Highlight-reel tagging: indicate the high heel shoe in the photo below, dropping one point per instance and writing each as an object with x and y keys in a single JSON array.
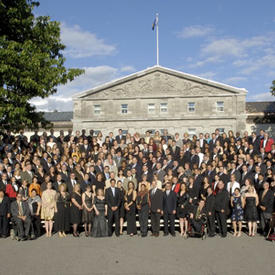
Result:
[{"x": 75, "y": 235}]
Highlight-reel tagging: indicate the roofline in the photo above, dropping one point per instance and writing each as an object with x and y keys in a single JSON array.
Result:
[{"x": 164, "y": 69}]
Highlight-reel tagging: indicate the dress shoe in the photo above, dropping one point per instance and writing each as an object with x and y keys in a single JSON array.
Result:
[
  {"x": 173, "y": 235},
  {"x": 165, "y": 234}
]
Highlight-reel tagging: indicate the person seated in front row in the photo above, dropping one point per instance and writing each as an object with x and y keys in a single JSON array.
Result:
[
  {"x": 21, "y": 216},
  {"x": 197, "y": 216}
]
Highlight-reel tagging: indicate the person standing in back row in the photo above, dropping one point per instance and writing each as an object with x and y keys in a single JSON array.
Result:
[
  {"x": 156, "y": 198},
  {"x": 113, "y": 200},
  {"x": 169, "y": 209}
]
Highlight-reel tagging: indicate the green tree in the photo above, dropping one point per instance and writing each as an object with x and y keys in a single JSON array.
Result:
[
  {"x": 272, "y": 88},
  {"x": 31, "y": 63}
]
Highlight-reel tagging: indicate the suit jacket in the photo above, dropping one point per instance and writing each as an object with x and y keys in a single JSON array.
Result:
[
  {"x": 5, "y": 206},
  {"x": 112, "y": 200},
  {"x": 267, "y": 201},
  {"x": 210, "y": 204},
  {"x": 169, "y": 202},
  {"x": 222, "y": 201},
  {"x": 268, "y": 146},
  {"x": 15, "y": 209},
  {"x": 156, "y": 200}
]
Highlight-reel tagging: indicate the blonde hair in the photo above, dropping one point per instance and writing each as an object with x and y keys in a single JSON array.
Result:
[
  {"x": 76, "y": 185},
  {"x": 62, "y": 185}
]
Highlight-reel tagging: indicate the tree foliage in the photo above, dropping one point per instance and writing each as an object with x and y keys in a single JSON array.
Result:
[
  {"x": 31, "y": 63},
  {"x": 272, "y": 88}
]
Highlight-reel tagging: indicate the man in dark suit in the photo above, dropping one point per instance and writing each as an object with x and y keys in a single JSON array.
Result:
[
  {"x": 169, "y": 209},
  {"x": 255, "y": 141},
  {"x": 4, "y": 214},
  {"x": 120, "y": 136},
  {"x": 156, "y": 198},
  {"x": 57, "y": 183},
  {"x": 266, "y": 207},
  {"x": 221, "y": 208},
  {"x": 71, "y": 183},
  {"x": 64, "y": 173},
  {"x": 21, "y": 215},
  {"x": 235, "y": 172},
  {"x": 210, "y": 212},
  {"x": 245, "y": 175},
  {"x": 113, "y": 200},
  {"x": 195, "y": 160}
]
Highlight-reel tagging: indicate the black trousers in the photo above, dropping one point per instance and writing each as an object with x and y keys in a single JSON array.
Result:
[
  {"x": 264, "y": 221},
  {"x": 211, "y": 225},
  {"x": 4, "y": 225},
  {"x": 143, "y": 220},
  {"x": 23, "y": 227},
  {"x": 155, "y": 222},
  {"x": 36, "y": 228},
  {"x": 113, "y": 217},
  {"x": 196, "y": 225},
  {"x": 221, "y": 220},
  {"x": 169, "y": 218}
]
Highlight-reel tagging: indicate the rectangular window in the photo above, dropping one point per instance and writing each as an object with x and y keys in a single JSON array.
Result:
[
  {"x": 220, "y": 106},
  {"x": 97, "y": 109},
  {"x": 124, "y": 108},
  {"x": 191, "y": 131},
  {"x": 191, "y": 107},
  {"x": 151, "y": 108},
  {"x": 163, "y": 107},
  {"x": 124, "y": 132},
  {"x": 221, "y": 130}
]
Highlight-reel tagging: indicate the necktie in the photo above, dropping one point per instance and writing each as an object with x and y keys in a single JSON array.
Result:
[{"x": 20, "y": 209}]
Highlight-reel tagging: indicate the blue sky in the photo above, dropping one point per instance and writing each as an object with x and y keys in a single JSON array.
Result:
[{"x": 232, "y": 42}]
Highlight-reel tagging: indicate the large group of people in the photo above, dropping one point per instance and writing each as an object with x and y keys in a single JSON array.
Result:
[{"x": 69, "y": 183}]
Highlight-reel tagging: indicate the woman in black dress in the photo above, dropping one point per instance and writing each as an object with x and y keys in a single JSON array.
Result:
[
  {"x": 250, "y": 210},
  {"x": 99, "y": 183},
  {"x": 87, "y": 214},
  {"x": 76, "y": 209},
  {"x": 182, "y": 209},
  {"x": 143, "y": 205},
  {"x": 62, "y": 217},
  {"x": 100, "y": 225},
  {"x": 130, "y": 207},
  {"x": 203, "y": 191},
  {"x": 121, "y": 208}
]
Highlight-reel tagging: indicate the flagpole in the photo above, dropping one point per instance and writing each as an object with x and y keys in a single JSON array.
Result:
[{"x": 157, "y": 30}]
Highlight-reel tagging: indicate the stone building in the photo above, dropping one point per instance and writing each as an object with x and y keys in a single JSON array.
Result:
[{"x": 161, "y": 98}]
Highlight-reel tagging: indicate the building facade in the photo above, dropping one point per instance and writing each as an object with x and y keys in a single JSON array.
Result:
[{"x": 160, "y": 98}]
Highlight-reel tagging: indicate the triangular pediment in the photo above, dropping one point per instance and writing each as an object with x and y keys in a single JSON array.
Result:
[{"x": 159, "y": 82}]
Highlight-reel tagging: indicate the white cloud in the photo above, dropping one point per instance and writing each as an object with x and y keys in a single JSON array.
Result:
[
  {"x": 80, "y": 43},
  {"x": 261, "y": 97},
  {"x": 223, "y": 47},
  {"x": 235, "y": 47},
  {"x": 207, "y": 75},
  {"x": 128, "y": 69},
  {"x": 235, "y": 79},
  {"x": 201, "y": 63},
  {"x": 62, "y": 100},
  {"x": 252, "y": 65},
  {"x": 195, "y": 31}
]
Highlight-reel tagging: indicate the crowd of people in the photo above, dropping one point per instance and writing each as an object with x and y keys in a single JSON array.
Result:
[{"x": 107, "y": 183}]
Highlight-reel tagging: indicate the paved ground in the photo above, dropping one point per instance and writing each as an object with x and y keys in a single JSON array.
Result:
[{"x": 126, "y": 255}]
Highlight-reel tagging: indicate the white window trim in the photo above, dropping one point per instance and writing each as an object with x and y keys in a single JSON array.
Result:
[
  {"x": 188, "y": 107},
  {"x": 97, "y": 110},
  {"x": 124, "y": 109},
  {"x": 163, "y": 106},
  {"x": 217, "y": 107},
  {"x": 151, "y": 110}
]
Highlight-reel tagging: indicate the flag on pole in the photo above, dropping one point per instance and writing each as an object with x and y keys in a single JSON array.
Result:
[{"x": 155, "y": 23}]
